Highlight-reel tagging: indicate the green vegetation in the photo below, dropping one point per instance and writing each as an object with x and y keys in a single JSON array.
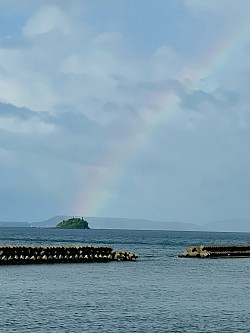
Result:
[{"x": 73, "y": 223}]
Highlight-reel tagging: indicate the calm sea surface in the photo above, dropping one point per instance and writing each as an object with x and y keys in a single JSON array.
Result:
[{"x": 158, "y": 293}]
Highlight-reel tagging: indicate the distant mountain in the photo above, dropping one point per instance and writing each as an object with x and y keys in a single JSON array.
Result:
[
  {"x": 233, "y": 225},
  {"x": 52, "y": 222},
  {"x": 122, "y": 223},
  {"x": 137, "y": 224}
]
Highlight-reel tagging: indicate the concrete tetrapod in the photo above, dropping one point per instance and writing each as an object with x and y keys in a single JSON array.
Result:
[
  {"x": 15, "y": 254},
  {"x": 217, "y": 251}
]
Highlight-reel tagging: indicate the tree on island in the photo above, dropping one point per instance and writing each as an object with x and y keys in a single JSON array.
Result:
[{"x": 73, "y": 223}]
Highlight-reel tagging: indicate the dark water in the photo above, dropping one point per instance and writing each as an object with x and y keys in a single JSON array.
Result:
[{"x": 158, "y": 293}]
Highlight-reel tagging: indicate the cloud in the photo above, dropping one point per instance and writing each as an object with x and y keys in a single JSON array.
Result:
[
  {"x": 224, "y": 8},
  {"x": 82, "y": 111},
  {"x": 65, "y": 61},
  {"x": 45, "y": 20}
]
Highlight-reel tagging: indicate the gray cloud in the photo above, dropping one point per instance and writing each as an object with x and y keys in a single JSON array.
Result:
[{"x": 81, "y": 111}]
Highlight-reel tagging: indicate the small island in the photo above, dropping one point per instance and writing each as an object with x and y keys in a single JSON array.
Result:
[{"x": 73, "y": 223}]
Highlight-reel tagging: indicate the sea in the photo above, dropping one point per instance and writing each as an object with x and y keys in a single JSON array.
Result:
[{"x": 158, "y": 293}]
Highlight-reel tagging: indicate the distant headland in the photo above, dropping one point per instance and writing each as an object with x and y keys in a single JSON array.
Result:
[{"x": 232, "y": 225}]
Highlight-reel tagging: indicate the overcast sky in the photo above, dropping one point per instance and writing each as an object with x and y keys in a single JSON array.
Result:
[{"x": 125, "y": 108}]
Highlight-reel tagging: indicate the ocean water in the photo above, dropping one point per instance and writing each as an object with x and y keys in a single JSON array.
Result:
[{"x": 158, "y": 293}]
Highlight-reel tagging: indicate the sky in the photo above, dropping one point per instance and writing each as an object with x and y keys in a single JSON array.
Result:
[{"x": 125, "y": 108}]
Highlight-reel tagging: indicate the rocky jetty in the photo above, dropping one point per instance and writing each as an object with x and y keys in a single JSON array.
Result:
[
  {"x": 217, "y": 251},
  {"x": 13, "y": 254}
]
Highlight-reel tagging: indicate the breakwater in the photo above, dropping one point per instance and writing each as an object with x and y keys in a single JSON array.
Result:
[
  {"x": 13, "y": 254},
  {"x": 217, "y": 251}
]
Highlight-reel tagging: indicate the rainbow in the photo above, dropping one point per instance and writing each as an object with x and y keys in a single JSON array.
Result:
[
  {"x": 222, "y": 56},
  {"x": 97, "y": 188}
]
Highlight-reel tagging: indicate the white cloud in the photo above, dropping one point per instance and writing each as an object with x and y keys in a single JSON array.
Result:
[
  {"x": 162, "y": 58},
  {"x": 99, "y": 109},
  {"x": 226, "y": 8},
  {"x": 45, "y": 20},
  {"x": 32, "y": 126}
]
